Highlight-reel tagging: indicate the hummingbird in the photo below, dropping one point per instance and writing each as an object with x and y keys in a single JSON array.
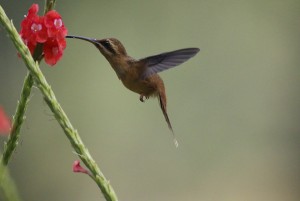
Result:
[{"x": 140, "y": 75}]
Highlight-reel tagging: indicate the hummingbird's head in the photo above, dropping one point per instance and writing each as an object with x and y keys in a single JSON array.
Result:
[{"x": 110, "y": 47}]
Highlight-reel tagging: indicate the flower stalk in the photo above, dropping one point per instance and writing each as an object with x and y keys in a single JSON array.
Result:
[
  {"x": 19, "y": 116},
  {"x": 7, "y": 185},
  {"x": 18, "y": 120},
  {"x": 55, "y": 107}
]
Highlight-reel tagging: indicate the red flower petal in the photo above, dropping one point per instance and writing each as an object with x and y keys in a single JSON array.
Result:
[
  {"x": 5, "y": 124},
  {"x": 33, "y": 28},
  {"x": 33, "y": 9},
  {"x": 55, "y": 25},
  {"x": 53, "y": 50},
  {"x": 50, "y": 17}
]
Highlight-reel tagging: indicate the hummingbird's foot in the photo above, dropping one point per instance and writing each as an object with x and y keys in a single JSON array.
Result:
[{"x": 142, "y": 97}]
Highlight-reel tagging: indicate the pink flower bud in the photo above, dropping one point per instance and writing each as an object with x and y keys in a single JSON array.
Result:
[{"x": 77, "y": 167}]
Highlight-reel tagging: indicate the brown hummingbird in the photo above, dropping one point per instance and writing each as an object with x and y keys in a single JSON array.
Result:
[{"x": 140, "y": 76}]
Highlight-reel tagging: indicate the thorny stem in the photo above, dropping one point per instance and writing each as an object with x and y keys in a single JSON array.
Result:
[{"x": 55, "y": 107}]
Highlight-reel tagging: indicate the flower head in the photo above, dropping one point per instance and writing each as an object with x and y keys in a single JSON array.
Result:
[{"x": 49, "y": 30}]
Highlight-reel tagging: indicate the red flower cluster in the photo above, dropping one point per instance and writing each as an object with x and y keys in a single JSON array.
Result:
[
  {"x": 48, "y": 29},
  {"x": 5, "y": 124}
]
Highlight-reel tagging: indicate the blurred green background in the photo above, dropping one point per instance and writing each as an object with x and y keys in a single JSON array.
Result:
[{"x": 234, "y": 107}]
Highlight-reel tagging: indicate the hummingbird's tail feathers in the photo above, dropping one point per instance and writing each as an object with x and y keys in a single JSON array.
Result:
[{"x": 163, "y": 105}]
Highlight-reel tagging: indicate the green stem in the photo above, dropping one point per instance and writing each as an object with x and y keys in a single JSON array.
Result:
[
  {"x": 7, "y": 185},
  {"x": 19, "y": 116},
  {"x": 6, "y": 182},
  {"x": 55, "y": 107},
  {"x": 49, "y": 5},
  {"x": 18, "y": 119}
]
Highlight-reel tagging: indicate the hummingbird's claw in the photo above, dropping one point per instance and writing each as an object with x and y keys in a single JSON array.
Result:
[{"x": 142, "y": 97}]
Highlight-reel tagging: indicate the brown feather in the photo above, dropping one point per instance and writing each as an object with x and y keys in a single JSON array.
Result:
[{"x": 163, "y": 105}]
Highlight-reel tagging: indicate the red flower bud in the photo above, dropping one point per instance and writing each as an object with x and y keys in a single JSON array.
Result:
[
  {"x": 5, "y": 124},
  {"x": 78, "y": 168}
]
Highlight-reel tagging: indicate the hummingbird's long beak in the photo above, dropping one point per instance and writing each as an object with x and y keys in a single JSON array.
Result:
[
  {"x": 103, "y": 45},
  {"x": 91, "y": 40}
]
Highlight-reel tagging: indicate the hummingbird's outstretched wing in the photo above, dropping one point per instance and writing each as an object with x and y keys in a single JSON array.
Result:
[{"x": 164, "y": 61}]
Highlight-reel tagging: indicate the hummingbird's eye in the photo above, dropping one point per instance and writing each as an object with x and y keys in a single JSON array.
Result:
[{"x": 108, "y": 46}]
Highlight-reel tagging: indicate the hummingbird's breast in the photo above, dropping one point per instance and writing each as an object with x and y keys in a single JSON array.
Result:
[
  {"x": 147, "y": 87},
  {"x": 129, "y": 72}
]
